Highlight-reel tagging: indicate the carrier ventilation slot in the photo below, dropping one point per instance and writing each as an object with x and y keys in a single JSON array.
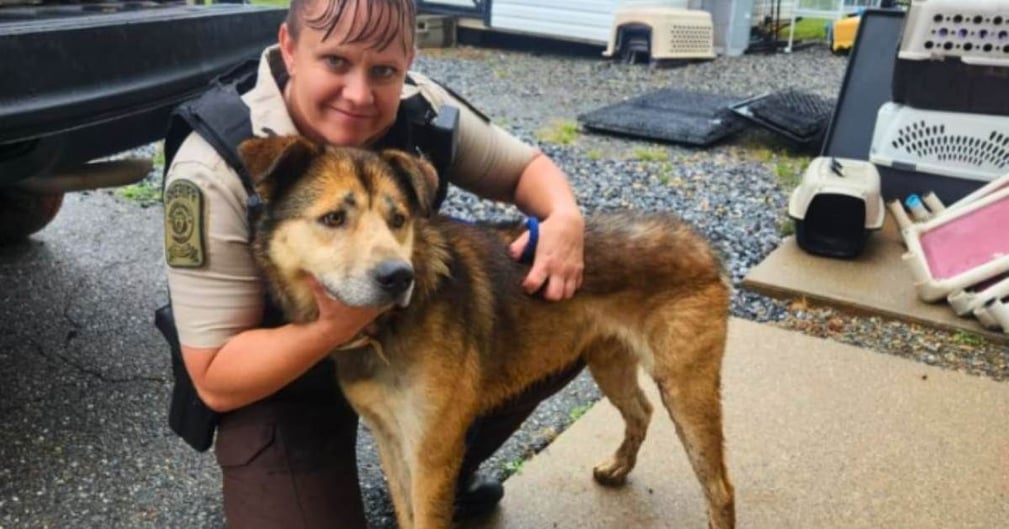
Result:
[
  {"x": 973, "y": 146},
  {"x": 975, "y": 30}
]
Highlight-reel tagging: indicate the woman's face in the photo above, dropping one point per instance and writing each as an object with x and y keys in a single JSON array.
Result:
[{"x": 344, "y": 93}]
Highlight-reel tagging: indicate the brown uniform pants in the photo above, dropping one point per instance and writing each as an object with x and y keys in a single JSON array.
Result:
[{"x": 289, "y": 461}]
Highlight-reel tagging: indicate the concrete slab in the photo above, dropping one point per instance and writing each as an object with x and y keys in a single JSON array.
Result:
[
  {"x": 877, "y": 282},
  {"x": 819, "y": 435}
]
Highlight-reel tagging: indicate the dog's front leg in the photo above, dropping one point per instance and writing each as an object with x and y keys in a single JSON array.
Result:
[
  {"x": 435, "y": 472},
  {"x": 397, "y": 474}
]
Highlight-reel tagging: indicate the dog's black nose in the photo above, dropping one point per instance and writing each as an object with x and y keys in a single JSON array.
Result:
[{"x": 394, "y": 276}]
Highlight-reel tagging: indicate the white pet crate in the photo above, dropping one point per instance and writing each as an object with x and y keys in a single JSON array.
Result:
[
  {"x": 976, "y": 31},
  {"x": 972, "y": 146}
]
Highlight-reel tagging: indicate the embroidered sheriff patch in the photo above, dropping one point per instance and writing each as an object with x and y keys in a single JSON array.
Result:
[{"x": 184, "y": 246}]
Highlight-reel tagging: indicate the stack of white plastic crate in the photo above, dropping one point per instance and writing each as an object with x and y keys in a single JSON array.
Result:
[{"x": 956, "y": 55}]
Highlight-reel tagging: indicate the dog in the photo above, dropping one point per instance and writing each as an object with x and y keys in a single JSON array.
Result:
[{"x": 459, "y": 336}]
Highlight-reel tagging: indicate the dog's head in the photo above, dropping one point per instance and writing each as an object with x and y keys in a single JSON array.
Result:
[{"x": 342, "y": 215}]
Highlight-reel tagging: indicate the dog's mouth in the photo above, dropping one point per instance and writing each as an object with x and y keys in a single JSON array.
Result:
[{"x": 388, "y": 284}]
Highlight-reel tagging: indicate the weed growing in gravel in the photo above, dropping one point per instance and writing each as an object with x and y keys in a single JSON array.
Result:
[
  {"x": 577, "y": 412},
  {"x": 514, "y": 467},
  {"x": 967, "y": 338},
  {"x": 650, "y": 154},
  {"x": 786, "y": 226},
  {"x": 144, "y": 193},
  {"x": 594, "y": 154},
  {"x": 665, "y": 173},
  {"x": 561, "y": 132},
  {"x": 159, "y": 157}
]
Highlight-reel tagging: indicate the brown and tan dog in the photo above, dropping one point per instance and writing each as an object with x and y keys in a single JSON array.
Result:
[{"x": 461, "y": 337}]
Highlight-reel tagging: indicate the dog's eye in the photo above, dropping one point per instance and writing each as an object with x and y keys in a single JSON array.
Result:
[
  {"x": 332, "y": 219},
  {"x": 397, "y": 220}
]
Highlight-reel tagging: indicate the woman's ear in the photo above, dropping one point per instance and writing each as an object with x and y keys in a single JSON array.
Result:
[
  {"x": 287, "y": 45},
  {"x": 418, "y": 174},
  {"x": 276, "y": 162}
]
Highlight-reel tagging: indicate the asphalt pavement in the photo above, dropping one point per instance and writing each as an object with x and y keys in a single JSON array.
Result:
[{"x": 85, "y": 379}]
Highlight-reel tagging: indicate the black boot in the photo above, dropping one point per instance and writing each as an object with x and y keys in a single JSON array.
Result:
[{"x": 477, "y": 496}]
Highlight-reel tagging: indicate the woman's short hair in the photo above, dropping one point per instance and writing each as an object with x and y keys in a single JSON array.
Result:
[{"x": 382, "y": 23}]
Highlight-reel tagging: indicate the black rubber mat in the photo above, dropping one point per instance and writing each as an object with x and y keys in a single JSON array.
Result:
[
  {"x": 672, "y": 115},
  {"x": 800, "y": 116}
]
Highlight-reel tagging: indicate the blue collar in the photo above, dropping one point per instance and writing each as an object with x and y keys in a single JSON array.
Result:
[{"x": 529, "y": 252}]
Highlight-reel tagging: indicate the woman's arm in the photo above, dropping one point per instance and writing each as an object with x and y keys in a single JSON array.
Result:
[{"x": 258, "y": 362}]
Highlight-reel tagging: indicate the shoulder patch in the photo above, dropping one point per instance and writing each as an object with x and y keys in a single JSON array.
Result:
[{"x": 184, "y": 227}]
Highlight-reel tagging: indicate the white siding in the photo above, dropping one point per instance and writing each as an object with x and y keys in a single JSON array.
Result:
[
  {"x": 453, "y": 3},
  {"x": 584, "y": 20}
]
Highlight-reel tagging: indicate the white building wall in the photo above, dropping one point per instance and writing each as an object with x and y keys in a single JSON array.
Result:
[{"x": 583, "y": 20}]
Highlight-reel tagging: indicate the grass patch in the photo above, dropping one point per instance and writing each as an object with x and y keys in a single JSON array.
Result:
[
  {"x": 561, "y": 132},
  {"x": 788, "y": 171},
  {"x": 650, "y": 154},
  {"x": 594, "y": 154},
  {"x": 271, "y": 3},
  {"x": 809, "y": 29},
  {"x": 144, "y": 193}
]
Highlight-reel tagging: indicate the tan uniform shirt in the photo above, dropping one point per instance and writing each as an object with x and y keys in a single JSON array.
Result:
[{"x": 224, "y": 296}]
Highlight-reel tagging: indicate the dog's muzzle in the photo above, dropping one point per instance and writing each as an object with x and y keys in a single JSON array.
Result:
[{"x": 395, "y": 277}]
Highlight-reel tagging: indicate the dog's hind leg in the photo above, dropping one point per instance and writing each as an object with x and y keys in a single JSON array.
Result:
[
  {"x": 688, "y": 344},
  {"x": 615, "y": 370}
]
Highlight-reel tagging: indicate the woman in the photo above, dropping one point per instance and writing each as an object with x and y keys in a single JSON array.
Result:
[{"x": 286, "y": 438}]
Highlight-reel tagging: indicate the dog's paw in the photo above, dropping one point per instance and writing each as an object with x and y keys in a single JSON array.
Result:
[{"x": 612, "y": 472}]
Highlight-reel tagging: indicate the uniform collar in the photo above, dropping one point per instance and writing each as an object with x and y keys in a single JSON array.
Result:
[{"x": 267, "y": 109}]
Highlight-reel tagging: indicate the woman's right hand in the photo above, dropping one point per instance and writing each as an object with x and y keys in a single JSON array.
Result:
[{"x": 337, "y": 319}]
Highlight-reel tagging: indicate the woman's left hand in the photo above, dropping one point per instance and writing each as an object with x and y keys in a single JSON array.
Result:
[{"x": 558, "y": 262}]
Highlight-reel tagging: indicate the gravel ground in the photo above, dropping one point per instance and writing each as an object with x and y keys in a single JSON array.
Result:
[{"x": 731, "y": 192}]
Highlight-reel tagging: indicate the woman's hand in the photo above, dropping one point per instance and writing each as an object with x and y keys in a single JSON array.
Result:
[
  {"x": 338, "y": 320},
  {"x": 558, "y": 262}
]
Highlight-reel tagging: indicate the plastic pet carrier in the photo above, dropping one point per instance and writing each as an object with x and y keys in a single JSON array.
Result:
[
  {"x": 836, "y": 207},
  {"x": 953, "y": 55},
  {"x": 970, "y": 146}
]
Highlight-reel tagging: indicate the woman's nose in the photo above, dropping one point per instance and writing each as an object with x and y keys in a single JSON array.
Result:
[{"x": 357, "y": 89}]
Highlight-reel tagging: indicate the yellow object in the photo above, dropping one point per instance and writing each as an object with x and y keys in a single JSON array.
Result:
[{"x": 844, "y": 34}]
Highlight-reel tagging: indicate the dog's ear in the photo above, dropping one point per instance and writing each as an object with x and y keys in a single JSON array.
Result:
[
  {"x": 277, "y": 161},
  {"x": 416, "y": 173}
]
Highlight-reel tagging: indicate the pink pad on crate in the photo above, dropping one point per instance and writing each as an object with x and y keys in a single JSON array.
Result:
[{"x": 967, "y": 242}]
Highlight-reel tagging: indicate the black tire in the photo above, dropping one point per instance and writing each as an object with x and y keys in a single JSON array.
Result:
[{"x": 23, "y": 213}]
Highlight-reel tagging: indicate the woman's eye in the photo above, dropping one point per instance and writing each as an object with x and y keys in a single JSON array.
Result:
[
  {"x": 397, "y": 221},
  {"x": 334, "y": 61},
  {"x": 332, "y": 219},
  {"x": 383, "y": 72}
]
